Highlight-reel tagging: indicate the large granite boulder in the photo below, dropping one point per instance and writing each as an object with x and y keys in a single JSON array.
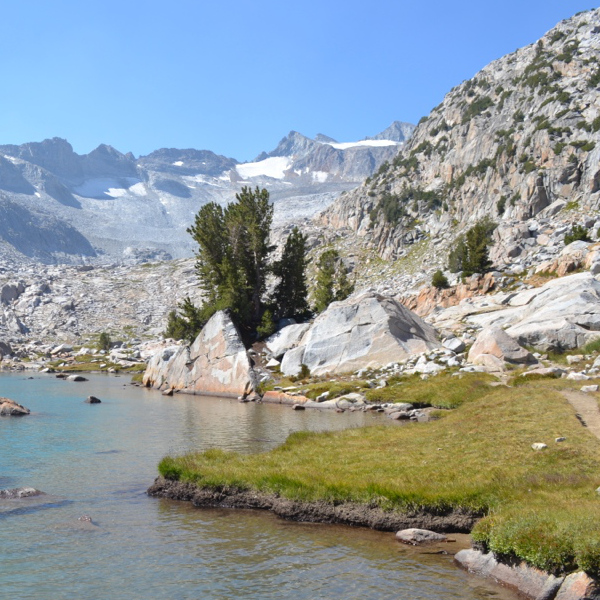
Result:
[
  {"x": 562, "y": 314},
  {"x": 493, "y": 347},
  {"x": 365, "y": 331},
  {"x": 215, "y": 364},
  {"x": 9, "y": 408},
  {"x": 286, "y": 339}
]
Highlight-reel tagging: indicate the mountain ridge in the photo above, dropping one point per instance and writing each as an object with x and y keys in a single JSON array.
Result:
[
  {"x": 519, "y": 141},
  {"x": 128, "y": 208}
]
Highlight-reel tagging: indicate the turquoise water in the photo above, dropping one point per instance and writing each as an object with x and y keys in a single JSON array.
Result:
[{"x": 98, "y": 460}]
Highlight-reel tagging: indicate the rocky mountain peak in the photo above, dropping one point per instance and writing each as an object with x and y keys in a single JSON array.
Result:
[
  {"x": 519, "y": 141},
  {"x": 398, "y": 131},
  {"x": 293, "y": 144},
  {"x": 54, "y": 154},
  {"x": 324, "y": 139}
]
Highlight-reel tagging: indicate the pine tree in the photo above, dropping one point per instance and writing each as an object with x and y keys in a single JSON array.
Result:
[
  {"x": 232, "y": 261},
  {"x": 324, "y": 292},
  {"x": 291, "y": 292},
  {"x": 332, "y": 280},
  {"x": 470, "y": 254},
  {"x": 344, "y": 287},
  {"x": 186, "y": 322}
]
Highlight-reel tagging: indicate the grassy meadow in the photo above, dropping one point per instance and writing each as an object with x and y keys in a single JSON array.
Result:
[{"x": 539, "y": 506}]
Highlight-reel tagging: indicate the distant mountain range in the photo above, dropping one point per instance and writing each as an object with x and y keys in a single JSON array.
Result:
[{"x": 105, "y": 206}]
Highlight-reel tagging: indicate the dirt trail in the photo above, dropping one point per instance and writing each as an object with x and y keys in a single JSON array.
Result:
[{"x": 586, "y": 407}]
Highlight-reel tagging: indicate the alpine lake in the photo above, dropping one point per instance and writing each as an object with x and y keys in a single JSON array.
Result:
[{"x": 98, "y": 460}]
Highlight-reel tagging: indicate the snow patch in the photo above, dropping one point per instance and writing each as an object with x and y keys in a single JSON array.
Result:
[
  {"x": 274, "y": 167},
  {"x": 320, "y": 176},
  {"x": 203, "y": 179},
  {"x": 178, "y": 163},
  {"x": 105, "y": 187},
  {"x": 371, "y": 143},
  {"x": 139, "y": 189}
]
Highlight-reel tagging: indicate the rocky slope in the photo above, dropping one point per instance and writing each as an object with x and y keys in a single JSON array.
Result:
[
  {"x": 74, "y": 304},
  {"x": 57, "y": 206},
  {"x": 519, "y": 142}
]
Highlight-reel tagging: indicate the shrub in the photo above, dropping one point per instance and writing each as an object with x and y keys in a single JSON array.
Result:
[
  {"x": 439, "y": 280},
  {"x": 303, "y": 374},
  {"x": 104, "y": 341},
  {"x": 577, "y": 233},
  {"x": 501, "y": 205},
  {"x": 267, "y": 325},
  {"x": 594, "y": 80},
  {"x": 558, "y": 148},
  {"x": 476, "y": 107}
]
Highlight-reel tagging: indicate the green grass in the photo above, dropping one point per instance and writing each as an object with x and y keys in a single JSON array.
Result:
[
  {"x": 335, "y": 388},
  {"x": 591, "y": 347},
  {"x": 540, "y": 506},
  {"x": 84, "y": 364},
  {"x": 442, "y": 391}
]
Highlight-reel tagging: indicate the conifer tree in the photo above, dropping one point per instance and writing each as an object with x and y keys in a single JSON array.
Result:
[
  {"x": 232, "y": 262},
  {"x": 332, "y": 280},
  {"x": 324, "y": 293},
  {"x": 291, "y": 292},
  {"x": 470, "y": 253}
]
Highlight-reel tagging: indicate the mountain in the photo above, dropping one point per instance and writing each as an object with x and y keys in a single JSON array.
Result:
[
  {"x": 106, "y": 206},
  {"x": 519, "y": 142},
  {"x": 397, "y": 131}
]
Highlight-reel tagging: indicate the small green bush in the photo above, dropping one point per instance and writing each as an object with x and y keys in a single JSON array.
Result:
[
  {"x": 577, "y": 233},
  {"x": 477, "y": 107},
  {"x": 501, "y": 205},
  {"x": 439, "y": 280}
]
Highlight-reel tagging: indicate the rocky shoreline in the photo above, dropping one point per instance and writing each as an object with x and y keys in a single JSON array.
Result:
[{"x": 527, "y": 581}]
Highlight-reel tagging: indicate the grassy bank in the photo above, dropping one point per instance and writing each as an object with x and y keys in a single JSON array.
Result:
[{"x": 540, "y": 506}]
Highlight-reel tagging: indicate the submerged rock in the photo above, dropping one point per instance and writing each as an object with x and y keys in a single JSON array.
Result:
[
  {"x": 416, "y": 537},
  {"x": 22, "y": 492},
  {"x": 216, "y": 363},
  {"x": 531, "y": 582},
  {"x": 92, "y": 400}
]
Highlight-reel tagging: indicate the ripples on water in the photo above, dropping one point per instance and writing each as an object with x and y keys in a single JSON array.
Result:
[{"x": 98, "y": 460}]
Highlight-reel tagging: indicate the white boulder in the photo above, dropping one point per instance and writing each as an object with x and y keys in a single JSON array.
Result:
[
  {"x": 286, "y": 339},
  {"x": 365, "y": 331},
  {"x": 494, "y": 346},
  {"x": 215, "y": 364}
]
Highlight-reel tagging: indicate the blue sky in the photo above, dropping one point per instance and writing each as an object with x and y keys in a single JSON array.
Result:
[{"x": 234, "y": 77}]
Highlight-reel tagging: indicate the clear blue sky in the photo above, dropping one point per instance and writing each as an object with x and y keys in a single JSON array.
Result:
[{"x": 234, "y": 77}]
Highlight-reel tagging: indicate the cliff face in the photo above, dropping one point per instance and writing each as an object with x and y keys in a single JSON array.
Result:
[{"x": 519, "y": 140}]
